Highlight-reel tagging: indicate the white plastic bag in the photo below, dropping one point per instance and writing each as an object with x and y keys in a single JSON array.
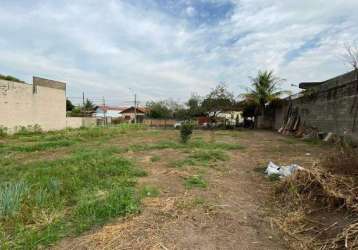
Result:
[
  {"x": 272, "y": 169},
  {"x": 282, "y": 171}
]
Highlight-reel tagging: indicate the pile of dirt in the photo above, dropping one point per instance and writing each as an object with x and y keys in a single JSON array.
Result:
[{"x": 321, "y": 204}]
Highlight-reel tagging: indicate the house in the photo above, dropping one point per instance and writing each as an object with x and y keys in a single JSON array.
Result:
[
  {"x": 107, "y": 111},
  {"x": 126, "y": 114},
  {"x": 233, "y": 118},
  {"x": 132, "y": 114}
]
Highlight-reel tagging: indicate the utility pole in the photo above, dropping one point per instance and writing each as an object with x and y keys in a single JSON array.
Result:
[
  {"x": 104, "y": 111},
  {"x": 135, "y": 108},
  {"x": 83, "y": 103}
]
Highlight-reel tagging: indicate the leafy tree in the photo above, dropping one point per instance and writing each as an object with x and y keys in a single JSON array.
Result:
[
  {"x": 265, "y": 88},
  {"x": 76, "y": 112},
  {"x": 159, "y": 110},
  {"x": 88, "y": 106},
  {"x": 194, "y": 106},
  {"x": 69, "y": 105},
  {"x": 218, "y": 100}
]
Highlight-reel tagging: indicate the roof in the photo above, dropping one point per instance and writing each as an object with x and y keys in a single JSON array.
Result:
[
  {"x": 106, "y": 108},
  {"x": 338, "y": 80},
  {"x": 131, "y": 110},
  {"x": 307, "y": 85}
]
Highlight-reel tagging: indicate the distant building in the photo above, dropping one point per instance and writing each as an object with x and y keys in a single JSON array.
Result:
[
  {"x": 131, "y": 113},
  {"x": 107, "y": 111},
  {"x": 125, "y": 114}
]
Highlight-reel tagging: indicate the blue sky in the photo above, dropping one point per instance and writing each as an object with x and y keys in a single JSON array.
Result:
[{"x": 164, "y": 49}]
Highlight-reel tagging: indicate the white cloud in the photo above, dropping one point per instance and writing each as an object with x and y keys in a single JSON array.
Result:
[
  {"x": 190, "y": 11},
  {"x": 106, "y": 47}
]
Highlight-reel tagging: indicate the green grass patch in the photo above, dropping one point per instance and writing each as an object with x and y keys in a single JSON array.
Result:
[
  {"x": 195, "y": 144},
  {"x": 201, "y": 158},
  {"x": 42, "y": 201},
  {"x": 195, "y": 181},
  {"x": 64, "y": 197},
  {"x": 119, "y": 201},
  {"x": 155, "y": 158},
  {"x": 149, "y": 191},
  {"x": 207, "y": 156},
  {"x": 42, "y": 146}
]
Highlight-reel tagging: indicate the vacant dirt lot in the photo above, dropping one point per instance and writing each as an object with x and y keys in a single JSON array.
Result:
[{"x": 226, "y": 209}]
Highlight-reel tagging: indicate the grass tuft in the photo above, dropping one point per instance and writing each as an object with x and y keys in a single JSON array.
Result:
[
  {"x": 195, "y": 181},
  {"x": 11, "y": 196},
  {"x": 155, "y": 158}
]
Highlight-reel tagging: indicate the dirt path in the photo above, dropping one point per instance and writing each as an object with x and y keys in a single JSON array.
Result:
[{"x": 226, "y": 215}]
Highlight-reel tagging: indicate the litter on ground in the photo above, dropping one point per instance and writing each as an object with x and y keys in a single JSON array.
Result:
[{"x": 282, "y": 171}]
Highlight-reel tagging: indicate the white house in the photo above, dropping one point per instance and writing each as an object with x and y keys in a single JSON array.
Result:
[{"x": 107, "y": 111}]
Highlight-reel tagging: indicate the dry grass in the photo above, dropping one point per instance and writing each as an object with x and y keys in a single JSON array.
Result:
[
  {"x": 344, "y": 161},
  {"x": 329, "y": 186}
]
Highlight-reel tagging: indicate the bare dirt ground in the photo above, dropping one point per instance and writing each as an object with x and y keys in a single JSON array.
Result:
[{"x": 229, "y": 214}]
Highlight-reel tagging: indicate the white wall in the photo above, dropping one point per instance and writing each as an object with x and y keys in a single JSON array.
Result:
[
  {"x": 43, "y": 103},
  {"x": 77, "y": 122}
]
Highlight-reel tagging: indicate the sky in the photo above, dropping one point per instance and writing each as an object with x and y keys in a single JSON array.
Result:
[{"x": 169, "y": 49}]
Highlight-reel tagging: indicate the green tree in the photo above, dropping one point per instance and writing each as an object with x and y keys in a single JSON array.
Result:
[
  {"x": 159, "y": 110},
  {"x": 88, "y": 106},
  {"x": 265, "y": 88},
  {"x": 10, "y": 78},
  {"x": 194, "y": 105},
  {"x": 69, "y": 105},
  {"x": 218, "y": 100}
]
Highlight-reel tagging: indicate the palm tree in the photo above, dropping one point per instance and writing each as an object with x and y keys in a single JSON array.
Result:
[{"x": 265, "y": 88}]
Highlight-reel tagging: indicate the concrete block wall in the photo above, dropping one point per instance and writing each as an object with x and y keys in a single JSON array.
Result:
[
  {"x": 333, "y": 107},
  {"x": 42, "y": 103},
  {"x": 77, "y": 122}
]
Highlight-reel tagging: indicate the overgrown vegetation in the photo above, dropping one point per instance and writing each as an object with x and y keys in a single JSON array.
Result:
[
  {"x": 332, "y": 184},
  {"x": 58, "y": 184},
  {"x": 42, "y": 200}
]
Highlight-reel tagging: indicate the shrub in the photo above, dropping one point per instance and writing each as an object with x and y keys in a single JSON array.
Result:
[{"x": 186, "y": 131}]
